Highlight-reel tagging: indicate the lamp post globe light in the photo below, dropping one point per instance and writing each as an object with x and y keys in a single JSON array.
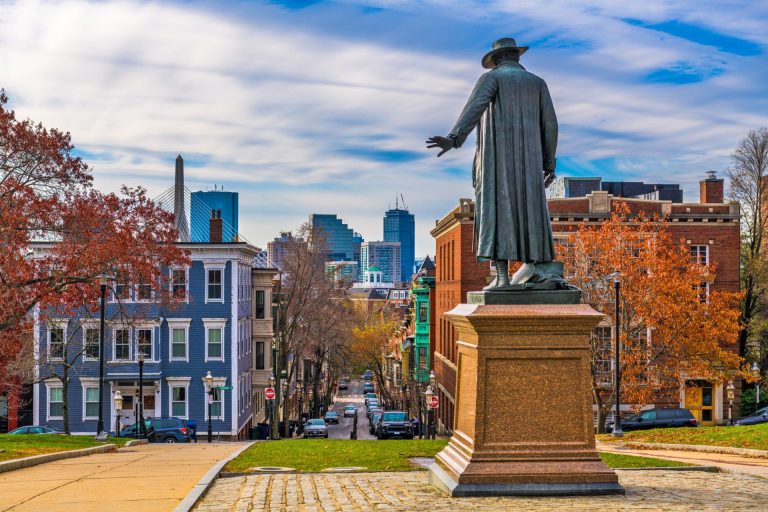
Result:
[
  {"x": 118, "y": 399},
  {"x": 731, "y": 394},
  {"x": 428, "y": 394},
  {"x": 209, "y": 389},
  {"x": 103, "y": 281},
  {"x": 756, "y": 375}
]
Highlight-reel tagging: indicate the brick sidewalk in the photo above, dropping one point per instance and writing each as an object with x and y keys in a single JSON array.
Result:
[{"x": 409, "y": 491}]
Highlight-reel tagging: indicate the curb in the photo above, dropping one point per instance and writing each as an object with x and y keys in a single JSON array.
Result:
[
  {"x": 27, "y": 462},
  {"x": 705, "y": 469},
  {"x": 205, "y": 483},
  {"x": 136, "y": 442},
  {"x": 744, "y": 452}
]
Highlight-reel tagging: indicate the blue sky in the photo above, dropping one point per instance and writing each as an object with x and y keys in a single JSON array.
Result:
[{"x": 323, "y": 107}]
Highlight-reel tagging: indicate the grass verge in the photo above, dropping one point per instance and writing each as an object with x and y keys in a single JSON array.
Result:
[
  {"x": 750, "y": 436},
  {"x": 312, "y": 455},
  {"x": 26, "y": 445}
]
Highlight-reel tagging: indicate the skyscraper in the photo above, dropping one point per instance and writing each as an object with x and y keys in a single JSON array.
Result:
[
  {"x": 385, "y": 256},
  {"x": 336, "y": 235},
  {"x": 399, "y": 226},
  {"x": 201, "y": 204}
]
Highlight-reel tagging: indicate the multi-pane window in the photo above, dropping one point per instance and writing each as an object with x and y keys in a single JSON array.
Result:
[
  {"x": 144, "y": 341},
  {"x": 215, "y": 291},
  {"x": 260, "y": 304},
  {"x": 56, "y": 342},
  {"x": 178, "y": 343},
  {"x": 214, "y": 345},
  {"x": 179, "y": 401},
  {"x": 422, "y": 312},
  {"x": 122, "y": 344},
  {"x": 422, "y": 358},
  {"x": 55, "y": 402},
  {"x": 121, "y": 291},
  {"x": 143, "y": 291},
  {"x": 91, "y": 337},
  {"x": 703, "y": 292},
  {"x": 602, "y": 363},
  {"x": 259, "y": 355},
  {"x": 179, "y": 283},
  {"x": 91, "y": 402},
  {"x": 700, "y": 254},
  {"x": 216, "y": 403}
]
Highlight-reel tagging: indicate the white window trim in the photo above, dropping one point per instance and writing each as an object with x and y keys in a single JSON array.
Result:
[
  {"x": 210, "y": 265},
  {"x": 186, "y": 285},
  {"x": 87, "y": 325},
  {"x": 215, "y": 323},
  {"x": 178, "y": 382},
  {"x": 178, "y": 323},
  {"x": 89, "y": 382},
  {"x": 116, "y": 328},
  {"x": 113, "y": 295},
  {"x": 706, "y": 246},
  {"x": 151, "y": 298},
  {"x": 150, "y": 328},
  {"x": 217, "y": 381},
  {"x": 59, "y": 324},
  {"x": 50, "y": 384}
]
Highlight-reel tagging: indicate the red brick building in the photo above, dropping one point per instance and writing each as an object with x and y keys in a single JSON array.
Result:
[{"x": 709, "y": 227}]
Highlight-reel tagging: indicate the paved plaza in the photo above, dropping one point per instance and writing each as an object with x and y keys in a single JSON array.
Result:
[{"x": 409, "y": 491}]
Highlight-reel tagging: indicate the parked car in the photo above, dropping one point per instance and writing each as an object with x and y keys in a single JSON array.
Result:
[
  {"x": 35, "y": 429},
  {"x": 658, "y": 418},
  {"x": 316, "y": 428},
  {"x": 372, "y": 404},
  {"x": 394, "y": 424},
  {"x": 331, "y": 417},
  {"x": 374, "y": 422},
  {"x": 368, "y": 396},
  {"x": 368, "y": 375},
  {"x": 367, "y": 387},
  {"x": 160, "y": 430},
  {"x": 759, "y": 416},
  {"x": 350, "y": 411},
  {"x": 372, "y": 411},
  {"x": 343, "y": 384}
]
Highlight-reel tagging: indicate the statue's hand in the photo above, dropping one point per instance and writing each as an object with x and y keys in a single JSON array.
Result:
[
  {"x": 444, "y": 143},
  {"x": 549, "y": 177}
]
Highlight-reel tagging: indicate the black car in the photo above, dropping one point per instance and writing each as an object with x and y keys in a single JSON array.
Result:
[
  {"x": 394, "y": 424},
  {"x": 343, "y": 385},
  {"x": 161, "y": 430},
  {"x": 759, "y": 416},
  {"x": 659, "y": 418},
  {"x": 367, "y": 387},
  {"x": 374, "y": 422}
]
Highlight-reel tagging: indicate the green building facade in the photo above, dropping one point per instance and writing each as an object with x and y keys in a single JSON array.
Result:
[{"x": 420, "y": 292}]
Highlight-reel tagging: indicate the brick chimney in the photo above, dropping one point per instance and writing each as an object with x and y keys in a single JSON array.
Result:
[
  {"x": 711, "y": 190},
  {"x": 215, "y": 236}
]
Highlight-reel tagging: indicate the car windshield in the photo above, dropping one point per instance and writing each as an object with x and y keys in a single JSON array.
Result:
[
  {"x": 350, "y": 407},
  {"x": 331, "y": 413},
  {"x": 316, "y": 423},
  {"x": 394, "y": 416}
]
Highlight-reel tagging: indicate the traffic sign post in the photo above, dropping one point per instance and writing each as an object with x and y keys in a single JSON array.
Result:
[{"x": 269, "y": 393}]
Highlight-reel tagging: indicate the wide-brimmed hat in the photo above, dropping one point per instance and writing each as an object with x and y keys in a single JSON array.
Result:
[{"x": 503, "y": 45}]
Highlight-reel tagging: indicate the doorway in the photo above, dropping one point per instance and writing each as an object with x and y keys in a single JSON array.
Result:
[{"x": 699, "y": 400}]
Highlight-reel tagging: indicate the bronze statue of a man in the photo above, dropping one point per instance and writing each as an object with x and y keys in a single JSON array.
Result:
[{"x": 514, "y": 162}]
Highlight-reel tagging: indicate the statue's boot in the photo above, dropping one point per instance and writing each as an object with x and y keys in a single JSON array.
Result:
[
  {"x": 502, "y": 275},
  {"x": 524, "y": 273}
]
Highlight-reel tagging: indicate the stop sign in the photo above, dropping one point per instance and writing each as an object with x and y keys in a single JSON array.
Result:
[
  {"x": 269, "y": 393},
  {"x": 434, "y": 402}
]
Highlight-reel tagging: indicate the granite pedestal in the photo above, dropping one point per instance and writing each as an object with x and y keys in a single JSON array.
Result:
[{"x": 523, "y": 420}]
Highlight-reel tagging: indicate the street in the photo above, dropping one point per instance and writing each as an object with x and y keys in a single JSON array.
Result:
[{"x": 352, "y": 396}]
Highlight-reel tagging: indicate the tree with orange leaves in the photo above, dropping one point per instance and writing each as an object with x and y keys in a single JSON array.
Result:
[
  {"x": 47, "y": 194},
  {"x": 672, "y": 327}
]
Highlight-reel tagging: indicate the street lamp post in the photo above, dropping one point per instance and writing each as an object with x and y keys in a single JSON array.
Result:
[
  {"x": 731, "y": 394},
  {"x": 209, "y": 388},
  {"x": 428, "y": 394},
  {"x": 756, "y": 375},
  {"x": 118, "y": 398},
  {"x": 100, "y": 434},
  {"x": 284, "y": 391},
  {"x": 142, "y": 428},
  {"x": 273, "y": 412},
  {"x": 617, "y": 432}
]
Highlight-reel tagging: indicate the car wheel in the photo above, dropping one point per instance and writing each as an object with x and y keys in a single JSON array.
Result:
[
  {"x": 170, "y": 440},
  {"x": 326, "y": 436}
]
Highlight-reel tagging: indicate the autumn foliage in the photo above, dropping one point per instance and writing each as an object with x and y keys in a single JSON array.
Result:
[
  {"x": 672, "y": 327},
  {"x": 47, "y": 195}
]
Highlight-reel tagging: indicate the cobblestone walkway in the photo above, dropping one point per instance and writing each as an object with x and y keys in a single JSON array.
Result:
[{"x": 410, "y": 491}]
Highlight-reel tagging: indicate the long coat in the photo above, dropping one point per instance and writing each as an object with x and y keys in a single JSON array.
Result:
[{"x": 516, "y": 142}]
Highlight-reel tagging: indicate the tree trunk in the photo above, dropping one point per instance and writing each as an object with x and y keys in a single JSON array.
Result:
[
  {"x": 65, "y": 398},
  {"x": 601, "y": 411}
]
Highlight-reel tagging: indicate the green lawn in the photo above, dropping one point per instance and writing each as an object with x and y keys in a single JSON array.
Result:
[
  {"x": 312, "y": 455},
  {"x": 21, "y": 445},
  {"x": 750, "y": 436}
]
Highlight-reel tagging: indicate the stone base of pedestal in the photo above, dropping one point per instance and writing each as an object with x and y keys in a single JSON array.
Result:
[{"x": 523, "y": 420}]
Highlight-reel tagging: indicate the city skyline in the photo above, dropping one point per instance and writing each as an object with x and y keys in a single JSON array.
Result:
[{"x": 324, "y": 106}]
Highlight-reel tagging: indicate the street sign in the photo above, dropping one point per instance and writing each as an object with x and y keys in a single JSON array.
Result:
[
  {"x": 433, "y": 403},
  {"x": 269, "y": 393},
  {"x": 225, "y": 388}
]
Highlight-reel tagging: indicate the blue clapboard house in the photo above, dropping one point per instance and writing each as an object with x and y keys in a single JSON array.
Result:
[{"x": 206, "y": 329}]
